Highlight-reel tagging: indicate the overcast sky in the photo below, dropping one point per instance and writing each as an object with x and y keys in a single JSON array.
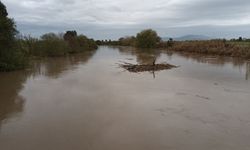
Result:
[{"x": 102, "y": 19}]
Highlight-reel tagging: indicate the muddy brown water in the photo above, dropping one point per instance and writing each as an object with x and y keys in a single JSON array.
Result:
[{"x": 86, "y": 102}]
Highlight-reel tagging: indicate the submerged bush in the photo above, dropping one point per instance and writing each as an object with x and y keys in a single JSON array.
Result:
[
  {"x": 84, "y": 43},
  {"x": 50, "y": 48},
  {"x": 50, "y": 44},
  {"x": 79, "y": 43}
]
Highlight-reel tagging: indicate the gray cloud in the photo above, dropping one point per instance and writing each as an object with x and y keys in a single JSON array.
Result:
[{"x": 114, "y": 18}]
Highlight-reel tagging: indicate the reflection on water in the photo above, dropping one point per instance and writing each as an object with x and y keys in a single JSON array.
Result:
[
  {"x": 148, "y": 56},
  {"x": 53, "y": 67},
  {"x": 142, "y": 56},
  {"x": 247, "y": 70},
  {"x": 216, "y": 61},
  {"x": 85, "y": 101},
  {"x": 11, "y": 103}
]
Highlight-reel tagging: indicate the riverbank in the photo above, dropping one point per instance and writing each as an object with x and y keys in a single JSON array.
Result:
[
  {"x": 212, "y": 47},
  {"x": 48, "y": 45},
  {"x": 218, "y": 48}
]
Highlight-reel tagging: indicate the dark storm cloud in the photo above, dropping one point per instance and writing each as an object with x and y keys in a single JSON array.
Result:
[{"x": 115, "y": 18}]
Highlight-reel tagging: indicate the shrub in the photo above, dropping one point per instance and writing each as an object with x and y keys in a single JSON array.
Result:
[
  {"x": 50, "y": 48},
  {"x": 127, "y": 41},
  {"x": 79, "y": 43},
  {"x": 51, "y": 44},
  {"x": 147, "y": 39}
]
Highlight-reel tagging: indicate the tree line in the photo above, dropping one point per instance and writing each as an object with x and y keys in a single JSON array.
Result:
[
  {"x": 145, "y": 39},
  {"x": 16, "y": 50}
]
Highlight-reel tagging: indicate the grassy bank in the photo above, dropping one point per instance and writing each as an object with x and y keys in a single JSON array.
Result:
[
  {"x": 149, "y": 39},
  {"x": 209, "y": 47},
  {"x": 213, "y": 47}
]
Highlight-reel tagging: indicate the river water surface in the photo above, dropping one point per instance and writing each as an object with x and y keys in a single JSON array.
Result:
[{"x": 87, "y": 102}]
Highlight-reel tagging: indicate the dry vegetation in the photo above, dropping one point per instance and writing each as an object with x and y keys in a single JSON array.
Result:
[
  {"x": 146, "y": 67},
  {"x": 212, "y": 47},
  {"x": 149, "y": 39}
]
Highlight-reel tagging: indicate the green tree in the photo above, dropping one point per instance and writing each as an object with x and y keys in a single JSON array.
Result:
[
  {"x": 11, "y": 56},
  {"x": 240, "y": 39},
  {"x": 7, "y": 28},
  {"x": 147, "y": 39},
  {"x": 50, "y": 36},
  {"x": 71, "y": 38}
]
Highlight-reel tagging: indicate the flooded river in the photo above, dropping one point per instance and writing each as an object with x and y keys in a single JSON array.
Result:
[{"x": 87, "y": 102}]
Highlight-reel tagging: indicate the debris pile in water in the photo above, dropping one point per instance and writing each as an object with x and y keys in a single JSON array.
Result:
[{"x": 146, "y": 67}]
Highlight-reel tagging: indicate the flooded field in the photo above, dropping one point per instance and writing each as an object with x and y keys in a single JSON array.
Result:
[{"x": 87, "y": 102}]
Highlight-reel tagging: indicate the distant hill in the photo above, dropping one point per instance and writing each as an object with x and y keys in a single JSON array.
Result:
[{"x": 188, "y": 38}]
